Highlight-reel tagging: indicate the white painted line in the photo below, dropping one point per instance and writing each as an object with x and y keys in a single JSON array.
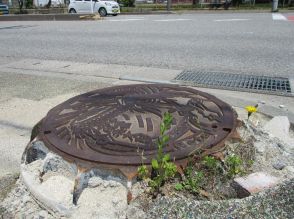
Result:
[
  {"x": 234, "y": 19},
  {"x": 168, "y": 20},
  {"x": 279, "y": 17},
  {"x": 134, "y": 17},
  {"x": 131, "y": 19}
]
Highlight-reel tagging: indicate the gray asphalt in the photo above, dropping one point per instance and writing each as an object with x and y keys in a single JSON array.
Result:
[{"x": 253, "y": 44}]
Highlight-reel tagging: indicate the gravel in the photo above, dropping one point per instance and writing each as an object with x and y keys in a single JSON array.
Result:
[{"x": 277, "y": 202}]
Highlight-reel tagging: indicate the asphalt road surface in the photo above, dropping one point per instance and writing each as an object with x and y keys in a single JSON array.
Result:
[{"x": 256, "y": 43}]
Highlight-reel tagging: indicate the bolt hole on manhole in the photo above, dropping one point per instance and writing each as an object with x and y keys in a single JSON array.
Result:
[
  {"x": 237, "y": 82},
  {"x": 99, "y": 140}
]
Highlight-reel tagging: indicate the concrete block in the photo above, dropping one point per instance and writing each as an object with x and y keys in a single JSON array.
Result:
[
  {"x": 253, "y": 183},
  {"x": 278, "y": 127}
]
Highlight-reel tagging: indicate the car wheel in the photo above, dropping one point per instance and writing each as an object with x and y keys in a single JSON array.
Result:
[
  {"x": 114, "y": 15},
  {"x": 72, "y": 11},
  {"x": 102, "y": 12}
]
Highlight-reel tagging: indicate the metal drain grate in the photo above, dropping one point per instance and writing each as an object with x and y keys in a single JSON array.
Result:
[{"x": 238, "y": 82}]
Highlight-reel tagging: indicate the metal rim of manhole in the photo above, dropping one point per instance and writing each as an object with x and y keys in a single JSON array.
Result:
[{"x": 117, "y": 125}]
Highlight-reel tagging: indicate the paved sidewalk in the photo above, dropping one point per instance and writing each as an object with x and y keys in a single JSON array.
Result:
[{"x": 30, "y": 87}]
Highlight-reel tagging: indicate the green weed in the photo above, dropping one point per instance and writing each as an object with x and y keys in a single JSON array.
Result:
[{"x": 162, "y": 166}]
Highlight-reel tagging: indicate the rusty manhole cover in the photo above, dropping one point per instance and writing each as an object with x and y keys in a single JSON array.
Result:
[{"x": 115, "y": 125}]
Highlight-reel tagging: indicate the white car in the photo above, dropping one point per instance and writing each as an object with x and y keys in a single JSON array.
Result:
[{"x": 87, "y": 7}]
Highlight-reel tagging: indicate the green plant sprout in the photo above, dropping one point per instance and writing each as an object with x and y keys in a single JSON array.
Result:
[
  {"x": 211, "y": 163},
  {"x": 162, "y": 168},
  {"x": 233, "y": 165},
  {"x": 193, "y": 182}
]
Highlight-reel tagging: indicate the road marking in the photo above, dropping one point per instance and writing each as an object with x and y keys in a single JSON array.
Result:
[
  {"x": 168, "y": 20},
  {"x": 234, "y": 19},
  {"x": 131, "y": 19},
  {"x": 290, "y": 18},
  {"x": 279, "y": 17},
  {"x": 248, "y": 32}
]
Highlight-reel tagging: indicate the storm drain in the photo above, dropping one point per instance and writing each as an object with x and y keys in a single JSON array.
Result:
[{"x": 238, "y": 82}]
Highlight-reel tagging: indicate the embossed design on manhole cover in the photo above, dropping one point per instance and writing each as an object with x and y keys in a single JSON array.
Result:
[{"x": 116, "y": 125}]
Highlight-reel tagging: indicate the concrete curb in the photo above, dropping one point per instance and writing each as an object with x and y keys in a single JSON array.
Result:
[
  {"x": 67, "y": 17},
  {"x": 40, "y": 17}
]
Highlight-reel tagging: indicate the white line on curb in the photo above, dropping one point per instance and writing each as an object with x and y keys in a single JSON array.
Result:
[
  {"x": 279, "y": 17},
  {"x": 234, "y": 19}
]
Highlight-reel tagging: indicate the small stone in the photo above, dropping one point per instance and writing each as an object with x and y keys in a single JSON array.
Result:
[
  {"x": 263, "y": 102},
  {"x": 280, "y": 145},
  {"x": 254, "y": 119},
  {"x": 115, "y": 201},
  {"x": 26, "y": 199},
  {"x": 102, "y": 189},
  {"x": 282, "y": 106},
  {"x": 94, "y": 182},
  {"x": 106, "y": 184},
  {"x": 113, "y": 184},
  {"x": 43, "y": 214},
  {"x": 289, "y": 169},
  {"x": 260, "y": 147},
  {"x": 279, "y": 165},
  {"x": 134, "y": 212},
  {"x": 253, "y": 183}
]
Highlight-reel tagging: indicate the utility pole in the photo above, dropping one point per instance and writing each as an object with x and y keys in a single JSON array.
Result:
[
  {"x": 168, "y": 5},
  {"x": 92, "y": 9},
  {"x": 275, "y": 6}
]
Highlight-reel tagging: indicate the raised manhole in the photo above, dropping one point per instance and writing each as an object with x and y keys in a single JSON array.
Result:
[
  {"x": 116, "y": 125},
  {"x": 238, "y": 82}
]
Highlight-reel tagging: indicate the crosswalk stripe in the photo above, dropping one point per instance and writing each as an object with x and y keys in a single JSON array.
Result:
[
  {"x": 279, "y": 17},
  {"x": 168, "y": 20},
  {"x": 132, "y": 19},
  {"x": 234, "y": 19}
]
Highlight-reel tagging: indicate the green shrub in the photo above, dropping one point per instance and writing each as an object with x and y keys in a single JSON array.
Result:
[{"x": 127, "y": 3}]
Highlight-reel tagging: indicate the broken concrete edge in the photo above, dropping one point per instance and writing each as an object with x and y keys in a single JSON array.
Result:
[
  {"x": 254, "y": 183},
  {"x": 45, "y": 202},
  {"x": 37, "y": 151}
]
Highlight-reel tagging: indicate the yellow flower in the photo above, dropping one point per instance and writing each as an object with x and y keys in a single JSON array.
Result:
[{"x": 251, "y": 109}]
